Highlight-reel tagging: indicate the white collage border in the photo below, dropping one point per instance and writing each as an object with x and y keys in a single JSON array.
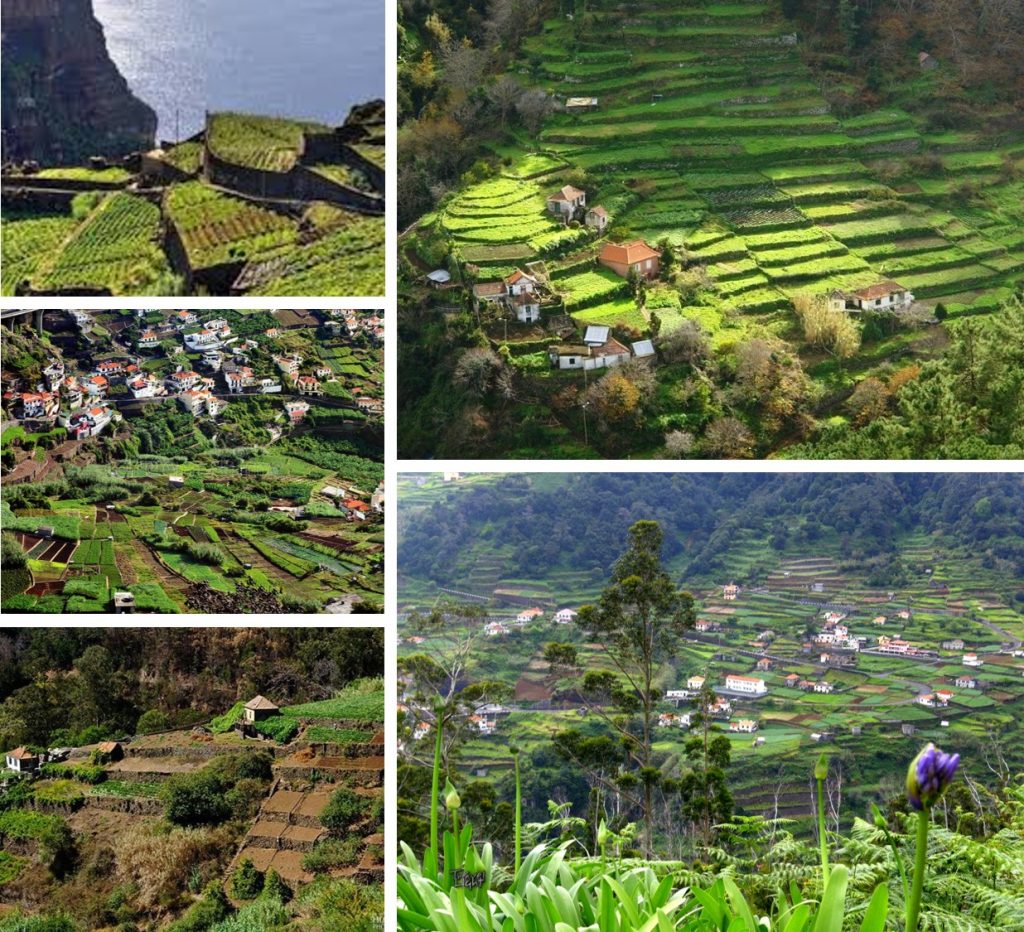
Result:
[{"x": 393, "y": 467}]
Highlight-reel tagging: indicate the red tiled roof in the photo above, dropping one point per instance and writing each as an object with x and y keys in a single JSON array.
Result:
[
  {"x": 568, "y": 193},
  {"x": 879, "y": 290},
  {"x": 628, "y": 253}
]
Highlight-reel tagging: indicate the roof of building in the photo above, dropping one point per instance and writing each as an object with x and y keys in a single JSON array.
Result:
[
  {"x": 22, "y": 753},
  {"x": 596, "y": 335},
  {"x": 581, "y": 102},
  {"x": 611, "y": 347},
  {"x": 748, "y": 679},
  {"x": 440, "y": 276},
  {"x": 643, "y": 348},
  {"x": 261, "y": 704},
  {"x": 517, "y": 276},
  {"x": 488, "y": 289},
  {"x": 879, "y": 290},
  {"x": 629, "y": 253},
  {"x": 567, "y": 193},
  {"x": 599, "y": 210},
  {"x": 107, "y": 747}
]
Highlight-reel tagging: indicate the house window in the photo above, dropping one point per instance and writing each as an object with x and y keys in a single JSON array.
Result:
[
  {"x": 572, "y": 360},
  {"x": 878, "y": 301}
]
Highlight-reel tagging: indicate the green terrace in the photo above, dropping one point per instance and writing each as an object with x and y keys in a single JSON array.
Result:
[
  {"x": 794, "y": 189},
  {"x": 205, "y": 216}
]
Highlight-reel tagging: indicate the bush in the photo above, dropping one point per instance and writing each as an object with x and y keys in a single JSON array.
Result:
[
  {"x": 151, "y": 721},
  {"x": 332, "y": 853},
  {"x": 343, "y": 810},
  {"x": 83, "y": 773},
  {"x": 274, "y": 888},
  {"x": 196, "y": 799},
  {"x": 278, "y": 727},
  {"x": 247, "y": 882},
  {"x": 213, "y": 907}
]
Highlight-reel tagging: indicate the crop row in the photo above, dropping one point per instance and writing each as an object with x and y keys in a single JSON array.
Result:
[{"x": 116, "y": 248}]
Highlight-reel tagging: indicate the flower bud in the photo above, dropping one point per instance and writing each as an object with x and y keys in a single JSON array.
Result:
[
  {"x": 451, "y": 797},
  {"x": 928, "y": 776},
  {"x": 821, "y": 767}
]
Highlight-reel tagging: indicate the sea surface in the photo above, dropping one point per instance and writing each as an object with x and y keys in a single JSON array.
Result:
[{"x": 310, "y": 59}]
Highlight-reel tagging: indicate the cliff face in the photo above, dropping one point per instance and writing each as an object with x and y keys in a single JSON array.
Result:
[{"x": 63, "y": 97}]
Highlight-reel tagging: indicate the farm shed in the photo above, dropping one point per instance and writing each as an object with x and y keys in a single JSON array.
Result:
[{"x": 260, "y": 709}]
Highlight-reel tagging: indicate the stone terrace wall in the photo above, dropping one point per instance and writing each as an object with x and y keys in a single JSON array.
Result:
[{"x": 297, "y": 184}]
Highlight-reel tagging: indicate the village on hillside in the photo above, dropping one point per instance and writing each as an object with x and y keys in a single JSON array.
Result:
[
  {"x": 798, "y": 652},
  {"x": 689, "y": 196},
  {"x": 184, "y": 410}
]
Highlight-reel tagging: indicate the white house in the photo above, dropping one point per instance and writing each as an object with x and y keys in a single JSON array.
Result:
[
  {"x": 149, "y": 339},
  {"x": 695, "y": 683},
  {"x": 597, "y": 218},
  {"x": 566, "y": 616},
  {"x": 581, "y": 356},
  {"x": 528, "y": 615},
  {"x": 730, "y": 592},
  {"x": 308, "y": 385},
  {"x": 883, "y": 296},
  {"x": 566, "y": 201},
  {"x": 495, "y": 628},
  {"x": 22, "y": 760},
  {"x": 296, "y": 410},
  {"x": 88, "y": 422},
  {"x": 972, "y": 660},
  {"x": 966, "y": 682},
  {"x": 745, "y": 684},
  {"x": 747, "y": 725},
  {"x": 185, "y": 319},
  {"x": 823, "y": 687}
]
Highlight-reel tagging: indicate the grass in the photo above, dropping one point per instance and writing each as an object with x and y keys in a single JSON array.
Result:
[
  {"x": 265, "y": 143},
  {"x": 362, "y": 701}
]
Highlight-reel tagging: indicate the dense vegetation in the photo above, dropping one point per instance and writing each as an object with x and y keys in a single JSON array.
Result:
[
  {"x": 91, "y": 844},
  {"x": 552, "y": 523},
  {"x": 771, "y": 158},
  {"x": 104, "y": 683}
]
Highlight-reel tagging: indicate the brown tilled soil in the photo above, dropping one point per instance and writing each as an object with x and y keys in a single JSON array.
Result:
[
  {"x": 287, "y": 863},
  {"x": 531, "y": 691},
  {"x": 156, "y": 765}
]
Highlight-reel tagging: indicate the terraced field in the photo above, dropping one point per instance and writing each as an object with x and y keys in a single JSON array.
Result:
[
  {"x": 257, "y": 189},
  {"x": 712, "y": 136}
]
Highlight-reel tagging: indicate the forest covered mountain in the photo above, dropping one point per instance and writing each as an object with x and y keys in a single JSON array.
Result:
[{"x": 550, "y": 522}]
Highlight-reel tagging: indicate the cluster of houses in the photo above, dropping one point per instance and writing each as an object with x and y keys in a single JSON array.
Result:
[{"x": 564, "y": 616}]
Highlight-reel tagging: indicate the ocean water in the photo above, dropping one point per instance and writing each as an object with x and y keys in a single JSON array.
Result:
[{"x": 311, "y": 59}]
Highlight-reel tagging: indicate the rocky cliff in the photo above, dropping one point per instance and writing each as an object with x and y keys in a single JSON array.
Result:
[{"x": 63, "y": 97}]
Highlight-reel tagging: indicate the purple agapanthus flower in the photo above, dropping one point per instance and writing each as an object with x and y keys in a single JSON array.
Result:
[{"x": 928, "y": 776}]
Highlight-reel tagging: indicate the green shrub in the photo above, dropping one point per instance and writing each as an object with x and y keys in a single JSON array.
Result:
[
  {"x": 212, "y": 908},
  {"x": 331, "y": 853},
  {"x": 278, "y": 727},
  {"x": 83, "y": 773},
  {"x": 343, "y": 810},
  {"x": 196, "y": 799},
  {"x": 247, "y": 882}
]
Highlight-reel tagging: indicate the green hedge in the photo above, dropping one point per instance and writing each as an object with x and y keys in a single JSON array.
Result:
[{"x": 278, "y": 727}]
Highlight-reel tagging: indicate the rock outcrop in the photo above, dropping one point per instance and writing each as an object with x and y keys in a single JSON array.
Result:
[{"x": 63, "y": 98}]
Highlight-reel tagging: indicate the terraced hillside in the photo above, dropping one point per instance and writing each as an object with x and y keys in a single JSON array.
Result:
[
  {"x": 710, "y": 111},
  {"x": 942, "y": 606},
  {"x": 252, "y": 204},
  {"x": 711, "y": 141}
]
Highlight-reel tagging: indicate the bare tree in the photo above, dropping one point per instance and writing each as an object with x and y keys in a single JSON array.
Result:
[{"x": 504, "y": 94}]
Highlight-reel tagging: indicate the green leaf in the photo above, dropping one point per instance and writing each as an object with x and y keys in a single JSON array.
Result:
[
  {"x": 830, "y": 915},
  {"x": 877, "y": 911}
]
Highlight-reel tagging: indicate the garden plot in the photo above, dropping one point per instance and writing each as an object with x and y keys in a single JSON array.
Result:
[
  {"x": 28, "y": 242},
  {"x": 116, "y": 249},
  {"x": 216, "y": 228},
  {"x": 259, "y": 142}
]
